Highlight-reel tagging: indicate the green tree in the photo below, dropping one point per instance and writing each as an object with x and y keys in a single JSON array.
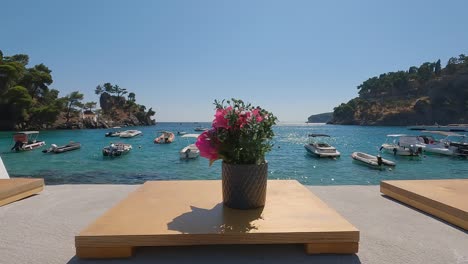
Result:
[
  {"x": 73, "y": 103},
  {"x": 89, "y": 106},
  {"x": 18, "y": 101},
  {"x": 438, "y": 68},
  {"x": 131, "y": 97}
]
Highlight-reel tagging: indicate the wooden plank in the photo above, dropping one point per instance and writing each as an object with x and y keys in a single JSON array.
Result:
[
  {"x": 177, "y": 213},
  {"x": 104, "y": 252},
  {"x": 12, "y": 190},
  {"x": 445, "y": 199}
]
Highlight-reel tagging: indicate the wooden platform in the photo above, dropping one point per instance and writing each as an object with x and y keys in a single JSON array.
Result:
[
  {"x": 183, "y": 213},
  {"x": 446, "y": 199},
  {"x": 18, "y": 188}
]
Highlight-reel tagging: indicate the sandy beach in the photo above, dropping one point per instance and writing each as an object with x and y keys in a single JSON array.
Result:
[{"x": 41, "y": 229}]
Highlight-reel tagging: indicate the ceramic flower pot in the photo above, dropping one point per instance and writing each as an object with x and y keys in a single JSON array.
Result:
[{"x": 244, "y": 186}]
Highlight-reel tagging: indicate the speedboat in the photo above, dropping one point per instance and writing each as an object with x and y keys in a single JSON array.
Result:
[
  {"x": 114, "y": 133},
  {"x": 117, "y": 149},
  {"x": 320, "y": 149},
  {"x": 452, "y": 145},
  {"x": 60, "y": 149},
  {"x": 26, "y": 140},
  {"x": 403, "y": 145},
  {"x": 165, "y": 138},
  {"x": 191, "y": 151},
  {"x": 200, "y": 129},
  {"x": 372, "y": 161},
  {"x": 130, "y": 133}
]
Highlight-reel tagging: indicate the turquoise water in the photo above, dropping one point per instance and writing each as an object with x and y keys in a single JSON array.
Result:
[{"x": 288, "y": 159}]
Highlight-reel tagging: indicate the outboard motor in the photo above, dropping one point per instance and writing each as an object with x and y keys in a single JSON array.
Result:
[{"x": 379, "y": 160}]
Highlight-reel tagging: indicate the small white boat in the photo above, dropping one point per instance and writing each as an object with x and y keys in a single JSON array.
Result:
[
  {"x": 117, "y": 149},
  {"x": 372, "y": 161},
  {"x": 191, "y": 151},
  {"x": 319, "y": 148},
  {"x": 130, "y": 133},
  {"x": 403, "y": 145},
  {"x": 165, "y": 138},
  {"x": 26, "y": 140},
  {"x": 61, "y": 149},
  {"x": 200, "y": 129}
]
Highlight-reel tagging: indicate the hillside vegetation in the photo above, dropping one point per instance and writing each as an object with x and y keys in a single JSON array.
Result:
[
  {"x": 426, "y": 94},
  {"x": 28, "y": 102}
]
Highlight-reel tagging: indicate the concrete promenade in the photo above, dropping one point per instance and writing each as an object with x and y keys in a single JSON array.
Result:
[{"x": 41, "y": 229}]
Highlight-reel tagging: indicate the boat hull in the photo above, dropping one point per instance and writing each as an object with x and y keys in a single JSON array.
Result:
[
  {"x": 321, "y": 154},
  {"x": 371, "y": 161},
  {"x": 189, "y": 152},
  {"x": 400, "y": 151}
]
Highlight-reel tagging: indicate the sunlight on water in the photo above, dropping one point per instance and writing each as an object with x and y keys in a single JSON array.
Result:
[{"x": 287, "y": 160}]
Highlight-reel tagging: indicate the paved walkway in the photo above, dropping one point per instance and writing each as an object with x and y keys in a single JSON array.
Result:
[{"x": 41, "y": 229}]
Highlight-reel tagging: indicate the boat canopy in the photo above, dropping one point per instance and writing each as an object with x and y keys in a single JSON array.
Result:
[
  {"x": 318, "y": 135},
  {"x": 190, "y": 135}
]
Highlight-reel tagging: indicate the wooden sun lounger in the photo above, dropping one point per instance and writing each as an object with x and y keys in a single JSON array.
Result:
[
  {"x": 445, "y": 199},
  {"x": 15, "y": 189}
]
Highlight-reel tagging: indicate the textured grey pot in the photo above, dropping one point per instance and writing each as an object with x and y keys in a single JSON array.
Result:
[{"x": 244, "y": 186}]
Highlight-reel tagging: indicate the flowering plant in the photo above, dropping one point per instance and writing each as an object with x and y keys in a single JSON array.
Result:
[{"x": 240, "y": 134}]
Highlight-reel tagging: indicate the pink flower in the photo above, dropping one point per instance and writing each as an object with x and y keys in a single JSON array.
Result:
[
  {"x": 243, "y": 118},
  {"x": 220, "y": 120},
  {"x": 208, "y": 147},
  {"x": 256, "y": 114}
]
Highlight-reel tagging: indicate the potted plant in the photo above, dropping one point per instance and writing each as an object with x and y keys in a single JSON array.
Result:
[{"x": 240, "y": 136}]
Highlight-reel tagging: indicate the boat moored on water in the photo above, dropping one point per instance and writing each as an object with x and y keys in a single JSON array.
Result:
[
  {"x": 61, "y": 149},
  {"x": 165, "y": 138},
  {"x": 117, "y": 149},
  {"x": 372, "y": 161},
  {"x": 26, "y": 140},
  {"x": 200, "y": 129},
  {"x": 320, "y": 148},
  {"x": 130, "y": 133},
  {"x": 403, "y": 145},
  {"x": 453, "y": 144},
  {"x": 114, "y": 133},
  {"x": 191, "y": 151}
]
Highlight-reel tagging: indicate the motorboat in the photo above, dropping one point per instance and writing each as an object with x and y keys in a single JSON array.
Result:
[
  {"x": 453, "y": 144},
  {"x": 320, "y": 148},
  {"x": 117, "y": 149},
  {"x": 403, "y": 145},
  {"x": 200, "y": 129},
  {"x": 26, "y": 140},
  {"x": 191, "y": 151},
  {"x": 61, "y": 149},
  {"x": 181, "y": 133},
  {"x": 114, "y": 133},
  {"x": 372, "y": 161},
  {"x": 165, "y": 138},
  {"x": 130, "y": 133}
]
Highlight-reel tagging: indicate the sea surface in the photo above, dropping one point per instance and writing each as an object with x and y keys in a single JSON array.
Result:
[{"x": 287, "y": 160}]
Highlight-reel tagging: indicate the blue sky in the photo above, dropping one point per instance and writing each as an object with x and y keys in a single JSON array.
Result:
[{"x": 294, "y": 58}]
